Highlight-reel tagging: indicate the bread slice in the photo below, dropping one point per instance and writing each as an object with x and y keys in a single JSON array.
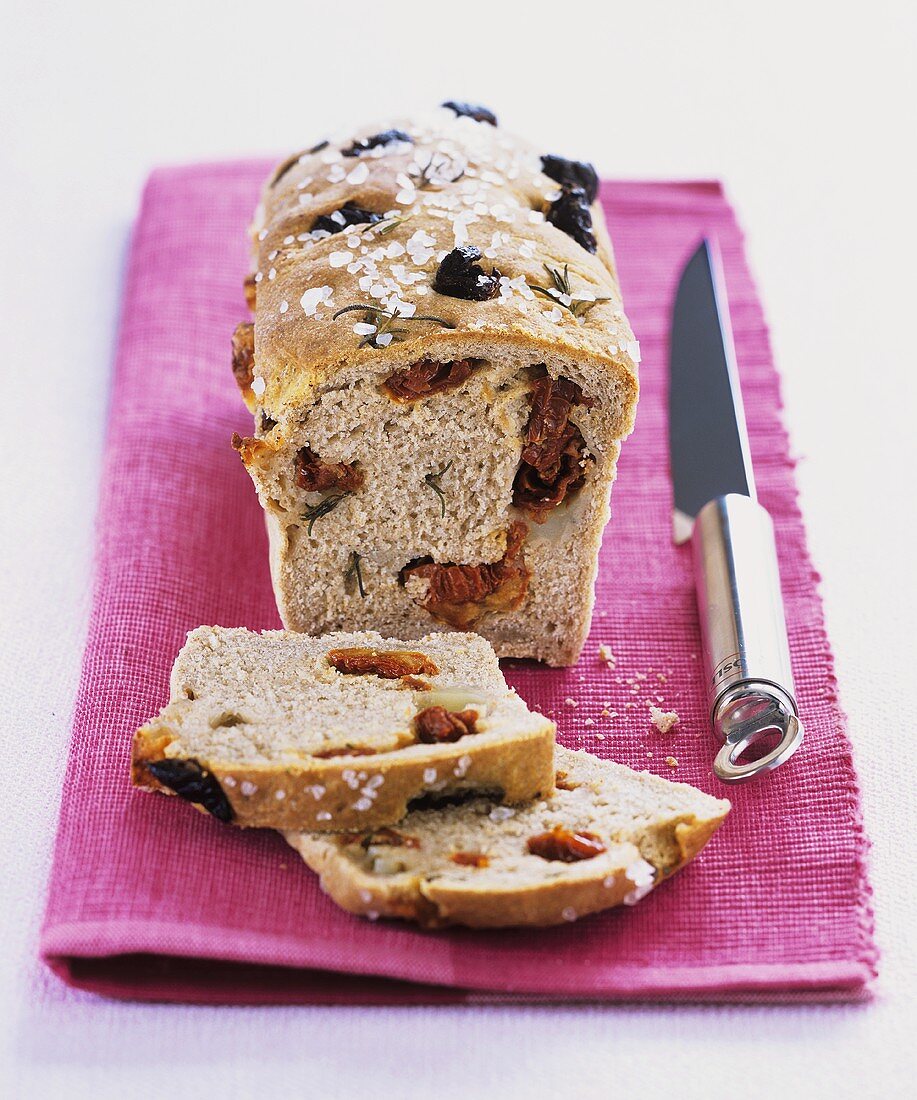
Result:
[
  {"x": 339, "y": 732},
  {"x": 607, "y": 835},
  {"x": 438, "y": 456}
]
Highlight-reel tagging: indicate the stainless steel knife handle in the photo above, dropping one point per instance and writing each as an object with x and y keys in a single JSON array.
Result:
[{"x": 746, "y": 654}]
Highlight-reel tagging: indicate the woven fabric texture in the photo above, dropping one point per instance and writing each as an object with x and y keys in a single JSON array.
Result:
[{"x": 150, "y": 899}]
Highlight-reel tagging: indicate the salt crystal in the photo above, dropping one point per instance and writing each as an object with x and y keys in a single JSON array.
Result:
[
  {"x": 358, "y": 175},
  {"x": 258, "y": 386},
  {"x": 642, "y": 875},
  {"x": 314, "y": 297}
]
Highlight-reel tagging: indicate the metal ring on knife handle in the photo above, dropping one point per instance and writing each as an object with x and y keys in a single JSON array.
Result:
[
  {"x": 744, "y": 714},
  {"x": 746, "y": 653}
]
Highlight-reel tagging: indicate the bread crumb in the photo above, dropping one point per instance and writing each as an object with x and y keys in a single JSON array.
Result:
[
  {"x": 589, "y": 722},
  {"x": 649, "y": 756},
  {"x": 663, "y": 720},
  {"x": 568, "y": 702},
  {"x": 671, "y": 761},
  {"x": 600, "y": 737},
  {"x": 606, "y": 655}
]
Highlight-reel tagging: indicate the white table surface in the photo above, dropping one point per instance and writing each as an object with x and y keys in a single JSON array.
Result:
[{"x": 805, "y": 110}]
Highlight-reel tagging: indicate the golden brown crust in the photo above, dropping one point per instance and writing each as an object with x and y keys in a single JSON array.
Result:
[
  {"x": 328, "y": 794},
  {"x": 496, "y": 204},
  {"x": 439, "y": 903}
]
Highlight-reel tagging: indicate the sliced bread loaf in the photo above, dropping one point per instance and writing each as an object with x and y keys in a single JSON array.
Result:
[
  {"x": 339, "y": 732},
  {"x": 606, "y": 835}
]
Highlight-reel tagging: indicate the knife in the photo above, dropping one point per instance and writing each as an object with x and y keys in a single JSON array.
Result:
[{"x": 746, "y": 653}]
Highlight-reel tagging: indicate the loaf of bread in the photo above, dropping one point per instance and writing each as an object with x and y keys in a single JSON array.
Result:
[
  {"x": 441, "y": 374},
  {"x": 339, "y": 732},
  {"x": 606, "y": 835}
]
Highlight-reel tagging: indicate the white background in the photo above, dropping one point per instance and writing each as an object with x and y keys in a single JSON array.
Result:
[{"x": 806, "y": 110}]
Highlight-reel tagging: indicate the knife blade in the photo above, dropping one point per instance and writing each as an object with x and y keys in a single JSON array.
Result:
[
  {"x": 708, "y": 441},
  {"x": 749, "y": 678}
]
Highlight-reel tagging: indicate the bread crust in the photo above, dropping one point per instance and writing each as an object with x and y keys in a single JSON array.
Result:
[
  {"x": 266, "y": 796},
  {"x": 296, "y": 352}
]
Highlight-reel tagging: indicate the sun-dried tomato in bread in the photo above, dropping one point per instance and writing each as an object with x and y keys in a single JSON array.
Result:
[
  {"x": 243, "y": 355},
  {"x": 470, "y": 859},
  {"x": 391, "y": 838},
  {"x": 389, "y": 664},
  {"x": 461, "y": 595},
  {"x": 413, "y": 683},
  {"x": 564, "y": 845},
  {"x": 551, "y": 464},
  {"x": 426, "y": 377},
  {"x": 538, "y": 496},
  {"x": 436, "y": 725},
  {"x": 315, "y": 476}
]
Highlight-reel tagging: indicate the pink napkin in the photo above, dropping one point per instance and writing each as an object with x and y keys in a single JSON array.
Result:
[{"x": 148, "y": 898}]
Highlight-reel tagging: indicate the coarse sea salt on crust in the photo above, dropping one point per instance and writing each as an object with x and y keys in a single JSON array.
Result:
[
  {"x": 643, "y": 876},
  {"x": 314, "y": 297}
]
